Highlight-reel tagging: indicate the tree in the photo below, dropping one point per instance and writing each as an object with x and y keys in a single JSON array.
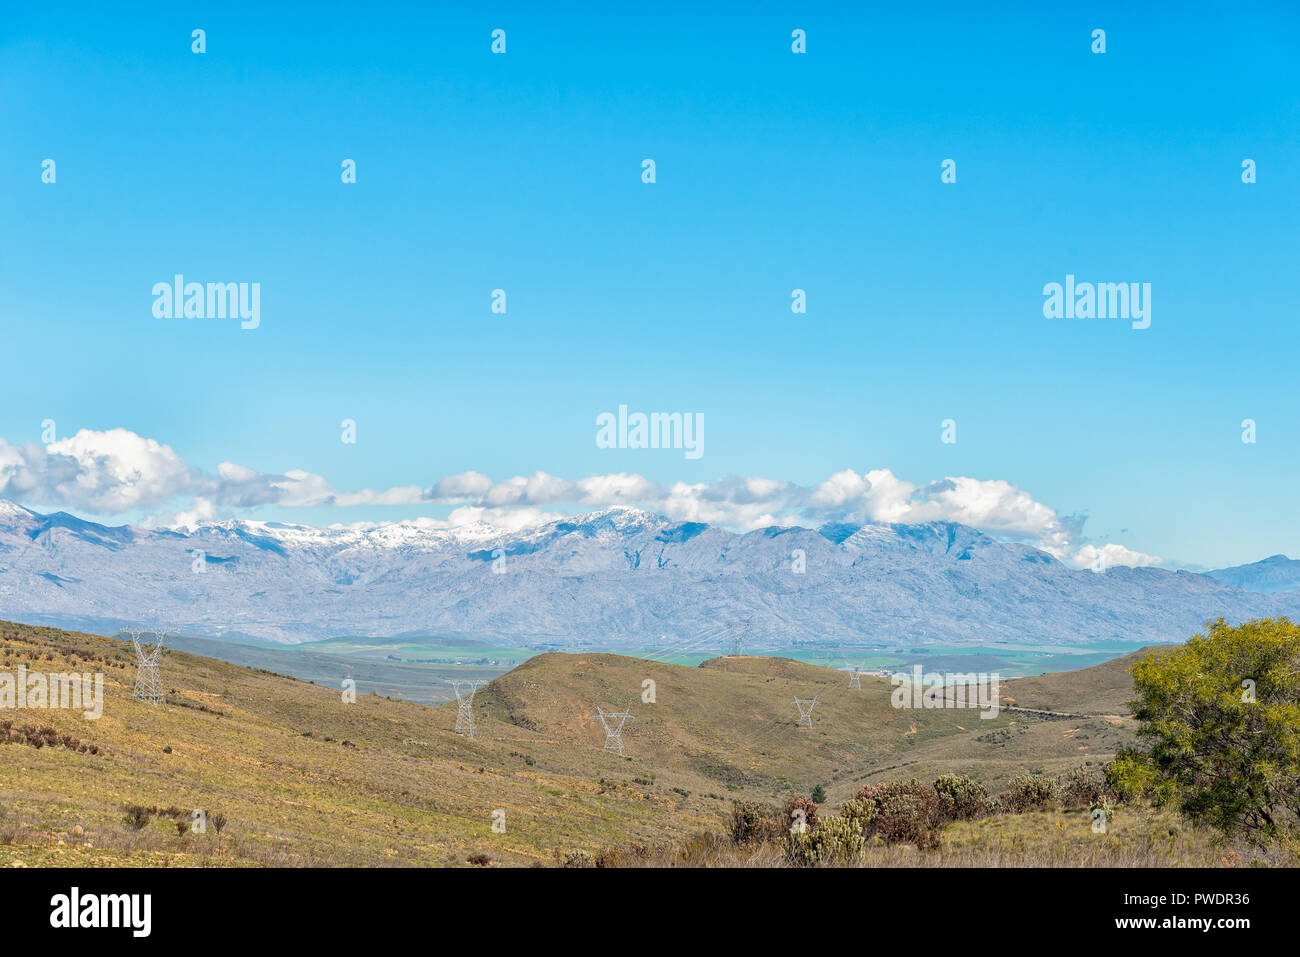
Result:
[
  {"x": 1222, "y": 714},
  {"x": 819, "y": 795}
]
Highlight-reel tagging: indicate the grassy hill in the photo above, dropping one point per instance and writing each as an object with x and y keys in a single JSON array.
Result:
[
  {"x": 1106, "y": 688},
  {"x": 301, "y": 777}
]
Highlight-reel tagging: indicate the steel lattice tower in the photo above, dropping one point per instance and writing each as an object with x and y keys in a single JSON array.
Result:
[
  {"x": 148, "y": 679},
  {"x": 805, "y": 706},
  {"x": 855, "y": 678},
  {"x": 738, "y": 633},
  {"x": 465, "y": 706},
  {"x": 614, "y": 734}
]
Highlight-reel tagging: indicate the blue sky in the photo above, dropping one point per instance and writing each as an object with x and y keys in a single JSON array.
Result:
[{"x": 775, "y": 171}]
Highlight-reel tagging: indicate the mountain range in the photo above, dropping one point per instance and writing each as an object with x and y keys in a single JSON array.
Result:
[
  {"x": 1271, "y": 575},
  {"x": 620, "y": 577}
]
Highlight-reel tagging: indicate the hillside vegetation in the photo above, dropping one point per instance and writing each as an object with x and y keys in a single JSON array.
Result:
[
  {"x": 1106, "y": 688},
  {"x": 297, "y": 776}
]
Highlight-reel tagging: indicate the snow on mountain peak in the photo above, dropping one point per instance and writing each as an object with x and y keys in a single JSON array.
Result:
[
  {"x": 11, "y": 511},
  {"x": 616, "y": 575},
  {"x": 620, "y": 516}
]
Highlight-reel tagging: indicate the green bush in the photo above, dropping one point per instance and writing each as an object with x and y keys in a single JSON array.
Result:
[
  {"x": 837, "y": 841},
  {"x": 1130, "y": 776},
  {"x": 961, "y": 798},
  {"x": 861, "y": 813},
  {"x": 1031, "y": 791},
  {"x": 1083, "y": 787},
  {"x": 1221, "y": 717}
]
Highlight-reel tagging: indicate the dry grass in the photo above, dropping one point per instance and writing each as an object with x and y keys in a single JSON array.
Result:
[
  {"x": 306, "y": 779},
  {"x": 1138, "y": 836}
]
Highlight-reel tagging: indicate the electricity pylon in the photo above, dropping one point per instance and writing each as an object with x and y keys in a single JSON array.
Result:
[
  {"x": 613, "y": 733},
  {"x": 737, "y": 633},
  {"x": 148, "y": 680},
  {"x": 805, "y": 706},
  {"x": 855, "y": 678},
  {"x": 465, "y": 706}
]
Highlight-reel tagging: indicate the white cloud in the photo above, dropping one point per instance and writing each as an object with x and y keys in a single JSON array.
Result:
[
  {"x": 840, "y": 491},
  {"x": 101, "y": 472},
  {"x": 459, "y": 488},
  {"x": 230, "y": 472},
  {"x": 201, "y": 510},
  {"x": 112, "y": 472},
  {"x": 1110, "y": 555},
  {"x": 537, "y": 489},
  {"x": 617, "y": 489}
]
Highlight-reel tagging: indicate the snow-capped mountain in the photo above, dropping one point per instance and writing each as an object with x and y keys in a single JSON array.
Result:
[{"x": 615, "y": 577}]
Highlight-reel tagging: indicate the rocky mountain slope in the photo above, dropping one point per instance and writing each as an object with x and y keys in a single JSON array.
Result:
[{"x": 615, "y": 578}]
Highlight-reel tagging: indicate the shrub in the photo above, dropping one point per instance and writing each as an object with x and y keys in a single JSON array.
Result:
[
  {"x": 137, "y": 817},
  {"x": 1102, "y": 808},
  {"x": 218, "y": 821},
  {"x": 819, "y": 795},
  {"x": 837, "y": 840},
  {"x": 1083, "y": 787},
  {"x": 797, "y": 804},
  {"x": 753, "y": 823},
  {"x": 1129, "y": 776},
  {"x": 904, "y": 812},
  {"x": 861, "y": 812},
  {"x": 1030, "y": 791},
  {"x": 961, "y": 798},
  {"x": 1221, "y": 715},
  {"x": 579, "y": 859}
]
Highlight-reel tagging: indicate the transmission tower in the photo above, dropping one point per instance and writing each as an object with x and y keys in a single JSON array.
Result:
[
  {"x": 737, "y": 634},
  {"x": 148, "y": 680},
  {"x": 465, "y": 706},
  {"x": 855, "y": 678},
  {"x": 805, "y": 706},
  {"x": 613, "y": 732}
]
